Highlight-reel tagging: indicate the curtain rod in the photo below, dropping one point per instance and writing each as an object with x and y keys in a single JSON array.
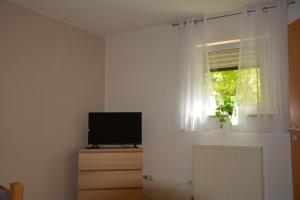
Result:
[{"x": 237, "y": 13}]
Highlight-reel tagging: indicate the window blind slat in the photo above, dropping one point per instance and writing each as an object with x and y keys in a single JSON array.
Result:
[{"x": 224, "y": 58}]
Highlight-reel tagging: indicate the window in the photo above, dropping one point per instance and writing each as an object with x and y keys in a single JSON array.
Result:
[{"x": 225, "y": 76}]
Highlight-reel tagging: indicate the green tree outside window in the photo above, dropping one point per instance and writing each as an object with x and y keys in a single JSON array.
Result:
[{"x": 225, "y": 80}]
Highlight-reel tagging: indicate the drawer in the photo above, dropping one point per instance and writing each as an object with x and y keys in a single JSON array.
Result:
[
  {"x": 110, "y": 179},
  {"x": 110, "y": 161},
  {"x": 128, "y": 194}
]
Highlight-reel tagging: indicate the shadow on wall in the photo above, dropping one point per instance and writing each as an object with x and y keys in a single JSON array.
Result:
[
  {"x": 158, "y": 191},
  {"x": 70, "y": 161},
  {"x": 64, "y": 164}
]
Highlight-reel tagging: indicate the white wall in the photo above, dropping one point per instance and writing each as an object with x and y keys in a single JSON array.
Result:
[
  {"x": 51, "y": 76},
  {"x": 140, "y": 77}
]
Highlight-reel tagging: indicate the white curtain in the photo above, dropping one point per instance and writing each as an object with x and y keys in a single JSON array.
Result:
[
  {"x": 263, "y": 71},
  {"x": 193, "y": 101}
]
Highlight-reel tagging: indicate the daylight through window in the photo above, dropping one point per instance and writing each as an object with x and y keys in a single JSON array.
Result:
[{"x": 227, "y": 79}]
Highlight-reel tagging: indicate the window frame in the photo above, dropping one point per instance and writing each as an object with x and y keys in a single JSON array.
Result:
[{"x": 230, "y": 68}]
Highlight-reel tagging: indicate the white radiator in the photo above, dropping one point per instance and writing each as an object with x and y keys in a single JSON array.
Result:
[{"x": 227, "y": 173}]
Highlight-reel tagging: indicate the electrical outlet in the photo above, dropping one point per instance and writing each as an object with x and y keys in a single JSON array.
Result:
[{"x": 147, "y": 177}]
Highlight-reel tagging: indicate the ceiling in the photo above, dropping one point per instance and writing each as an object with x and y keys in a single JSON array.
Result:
[{"x": 110, "y": 17}]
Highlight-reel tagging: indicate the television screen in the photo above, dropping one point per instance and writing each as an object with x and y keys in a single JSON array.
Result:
[{"x": 120, "y": 128}]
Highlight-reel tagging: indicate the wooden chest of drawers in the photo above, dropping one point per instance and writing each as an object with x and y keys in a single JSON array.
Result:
[{"x": 110, "y": 174}]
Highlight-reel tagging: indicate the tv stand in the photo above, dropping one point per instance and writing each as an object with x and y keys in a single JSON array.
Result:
[{"x": 110, "y": 173}]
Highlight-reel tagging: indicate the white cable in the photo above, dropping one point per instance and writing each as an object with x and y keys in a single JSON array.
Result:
[{"x": 166, "y": 193}]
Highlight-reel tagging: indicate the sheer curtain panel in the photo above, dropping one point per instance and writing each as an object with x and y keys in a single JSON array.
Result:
[
  {"x": 193, "y": 100},
  {"x": 263, "y": 51}
]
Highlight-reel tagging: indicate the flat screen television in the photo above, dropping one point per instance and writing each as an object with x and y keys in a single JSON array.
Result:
[{"x": 115, "y": 128}]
